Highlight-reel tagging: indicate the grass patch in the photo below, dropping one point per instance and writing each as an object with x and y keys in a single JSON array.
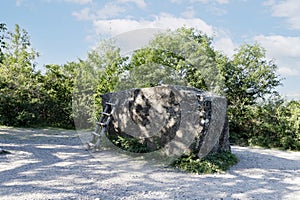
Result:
[{"x": 213, "y": 163}]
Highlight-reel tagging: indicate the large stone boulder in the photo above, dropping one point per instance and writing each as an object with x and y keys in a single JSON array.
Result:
[{"x": 171, "y": 120}]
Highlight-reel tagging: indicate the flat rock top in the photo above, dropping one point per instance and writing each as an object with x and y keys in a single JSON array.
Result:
[{"x": 52, "y": 164}]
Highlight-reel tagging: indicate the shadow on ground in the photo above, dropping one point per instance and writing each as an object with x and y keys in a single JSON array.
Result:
[{"x": 53, "y": 164}]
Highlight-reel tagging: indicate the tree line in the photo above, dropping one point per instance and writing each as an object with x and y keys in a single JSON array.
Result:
[
  {"x": 28, "y": 97},
  {"x": 69, "y": 95}
]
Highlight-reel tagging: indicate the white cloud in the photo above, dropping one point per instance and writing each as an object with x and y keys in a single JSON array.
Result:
[
  {"x": 288, "y": 71},
  {"x": 269, "y": 2},
  {"x": 280, "y": 45},
  {"x": 211, "y": 1},
  {"x": 139, "y": 3},
  {"x": 162, "y": 21},
  {"x": 189, "y": 12},
  {"x": 292, "y": 96},
  {"x": 19, "y": 2},
  {"x": 136, "y": 39},
  {"x": 200, "y": 1},
  {"x": 79, "y": 1},
  {"x": 285, "y": 51},
  {"x": 213, "y": 6},
  {"x": 83, "y": 14},
  {"x": 225, "y": 45},
  {"x": 176, "y": 1},
  {"x": 289, "y": 9},
  {"x": 223, "y": 42},
  {"x": 110, "y": 10},
  {"x": 215, "y": 10},
  {"x": 222, "y": 1}
]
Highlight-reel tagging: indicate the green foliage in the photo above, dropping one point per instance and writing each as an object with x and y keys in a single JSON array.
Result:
[
  {"x": 186, "y": 57},
  {"x": 256, "y": 115},
  {"x": 3, "y": 30},
  {"x": 107, "y": 64},
  {"x": 271, "y": 124},
  {"x": 55, "y": 102},
  {"x": 83, "y": 102},
  {"x": 130, "y": 144},
  {"x": 293, "y": 116},
  {"x": 212, "y": 163},
  {"x": 183, "y": 57},
  {"x": 97, "y": 75},
  {"x": 29, "y": 98},
  {"x": 149, "y": 75},
  {"x": 249, "y": 76},
  {"x": 18, "y": 83}
]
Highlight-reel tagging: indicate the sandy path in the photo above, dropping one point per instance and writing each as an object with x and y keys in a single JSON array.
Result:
[{"x": 52, "y": 164}]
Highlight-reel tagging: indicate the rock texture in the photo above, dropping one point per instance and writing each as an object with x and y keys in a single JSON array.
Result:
[{"x": 171, "y": 120}]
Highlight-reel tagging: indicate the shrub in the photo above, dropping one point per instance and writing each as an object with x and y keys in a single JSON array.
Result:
[
  {"x": 212, "y": 163},
  {"x": 271, "y": 124}
]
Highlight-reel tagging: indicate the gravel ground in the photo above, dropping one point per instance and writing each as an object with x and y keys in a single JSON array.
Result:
[{"x": 53, "y": 164}]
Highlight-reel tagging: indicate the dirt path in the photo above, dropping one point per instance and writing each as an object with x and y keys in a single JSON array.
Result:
[{"x": 52, "y": 164}]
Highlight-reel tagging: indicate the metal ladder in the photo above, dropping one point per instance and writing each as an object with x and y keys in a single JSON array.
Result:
[{"x": 101, "y": 126}]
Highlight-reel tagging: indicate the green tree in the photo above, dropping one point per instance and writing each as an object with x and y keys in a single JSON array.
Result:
[
  {"x": 3, "y": 30},
  {"x": 98, "y": 74},
  {"x": 294, "y": 119},
  {"x": 17, "y": 81},
  {"x": 55, "y": 102},
  {"x": 272, "y": 123},
  {"x": 249, "y": 78},
  {"x": 291, "y": 138},
  {"x": 28, "y": 97},
  {"x": 184, "y": 57}
]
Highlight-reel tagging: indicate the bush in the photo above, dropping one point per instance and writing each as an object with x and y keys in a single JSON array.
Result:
[
  {"x": 212, "y": 163},
  {"x": 272, "y": 124},
  {"x": 129, "y": 144}
]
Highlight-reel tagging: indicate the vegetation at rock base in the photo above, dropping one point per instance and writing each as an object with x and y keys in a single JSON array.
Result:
[
  {"x": 70, "y": 94},
  {"x": 212, "y": 163},
  {"x": 191, "y": 163},
  {"x": 130, "y": 144}
]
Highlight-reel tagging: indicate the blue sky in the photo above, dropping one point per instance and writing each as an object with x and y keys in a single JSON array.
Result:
[{"x": 65, "y": 30}]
